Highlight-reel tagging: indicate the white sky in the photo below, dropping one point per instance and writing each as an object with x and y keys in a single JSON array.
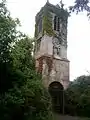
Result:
[{"x": 78, "y": 31}]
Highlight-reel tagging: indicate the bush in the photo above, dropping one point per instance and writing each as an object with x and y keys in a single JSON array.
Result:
[{"x": 78, "y": 97}]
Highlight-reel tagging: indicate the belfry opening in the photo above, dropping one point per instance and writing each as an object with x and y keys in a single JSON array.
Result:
[{"x": 56, "y": 91}]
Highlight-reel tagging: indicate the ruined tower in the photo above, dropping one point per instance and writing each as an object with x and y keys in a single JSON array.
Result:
[{"x": 51, "y": 45}]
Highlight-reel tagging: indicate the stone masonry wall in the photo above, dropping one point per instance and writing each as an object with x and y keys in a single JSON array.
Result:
[{"x": 54, "y": 70}]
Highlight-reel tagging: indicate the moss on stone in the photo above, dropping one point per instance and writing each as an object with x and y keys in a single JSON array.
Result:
[{"x": 47, "y": 25}]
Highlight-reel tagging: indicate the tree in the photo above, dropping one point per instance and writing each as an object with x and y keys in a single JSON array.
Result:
[
  {"x": 28, "y": 99},
  {"x": 22, "y": 54},
  {"x": 8, "y": 36},
  {"x": 78, "y": 96},
  {"x": 8, "y": 33},
  {"x": 22, "y": 93},
  {"x": 80, "y": 6}
]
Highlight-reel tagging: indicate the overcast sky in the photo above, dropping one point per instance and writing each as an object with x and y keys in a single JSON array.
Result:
[{"x": 78, "y": 31}]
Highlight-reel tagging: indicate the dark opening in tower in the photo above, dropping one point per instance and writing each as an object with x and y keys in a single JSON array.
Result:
[
  {"x": 56, "y": 23},
  {"x": 56, "y": 91}
]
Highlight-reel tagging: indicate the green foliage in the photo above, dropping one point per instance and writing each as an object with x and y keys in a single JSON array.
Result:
[
  {"x": 30, "y": 101},
  {"x": 78, "y": 97},
  {"x": 80, "y": 6},
  {"x": 22, "y": 54},
  {"x": 8, "y": 33},
  {"x": 36, "y": 98},
  {"x": 22, "y": 94},
  {"x": 47, "y": 25},
  {"x": 8, "y": 36}
]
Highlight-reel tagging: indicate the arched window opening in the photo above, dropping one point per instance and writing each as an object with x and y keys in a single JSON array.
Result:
[{"x": 56, "y": 23}]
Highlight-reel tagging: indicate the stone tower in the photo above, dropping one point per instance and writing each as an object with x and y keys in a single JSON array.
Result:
[{"x": 51, "y": 45}]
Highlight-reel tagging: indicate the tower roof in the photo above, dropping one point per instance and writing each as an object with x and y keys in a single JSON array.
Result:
[{"x": 60, "y": 12}]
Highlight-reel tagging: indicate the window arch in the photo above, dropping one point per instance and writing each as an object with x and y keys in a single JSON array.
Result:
[{"x": 56, "y": 23}]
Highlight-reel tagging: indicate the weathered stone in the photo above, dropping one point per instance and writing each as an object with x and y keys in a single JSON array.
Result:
[
  {"x": 59, "y": 72},
  {"x": 51, "y": 57}
]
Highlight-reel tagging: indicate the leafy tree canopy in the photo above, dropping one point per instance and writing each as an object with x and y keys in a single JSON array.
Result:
[
  {"x": 28, "y": 99},
  {"x": 81, "y": 5},
  {"x": 22, "y": 93},
  {"x": 8, "y": 32},
  {"x": 8, "y": 36},
  {"x": 78, "y": 95}
]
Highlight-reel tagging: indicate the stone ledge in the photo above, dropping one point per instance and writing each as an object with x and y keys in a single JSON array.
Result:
[
  {"x": 51, "y": 56},
  {"x": 43, "y": 55},
  {"x": 61, "y": 59}
]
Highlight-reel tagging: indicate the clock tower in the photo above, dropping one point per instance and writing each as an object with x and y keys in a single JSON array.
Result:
[{"x": 51, "y": 45}]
